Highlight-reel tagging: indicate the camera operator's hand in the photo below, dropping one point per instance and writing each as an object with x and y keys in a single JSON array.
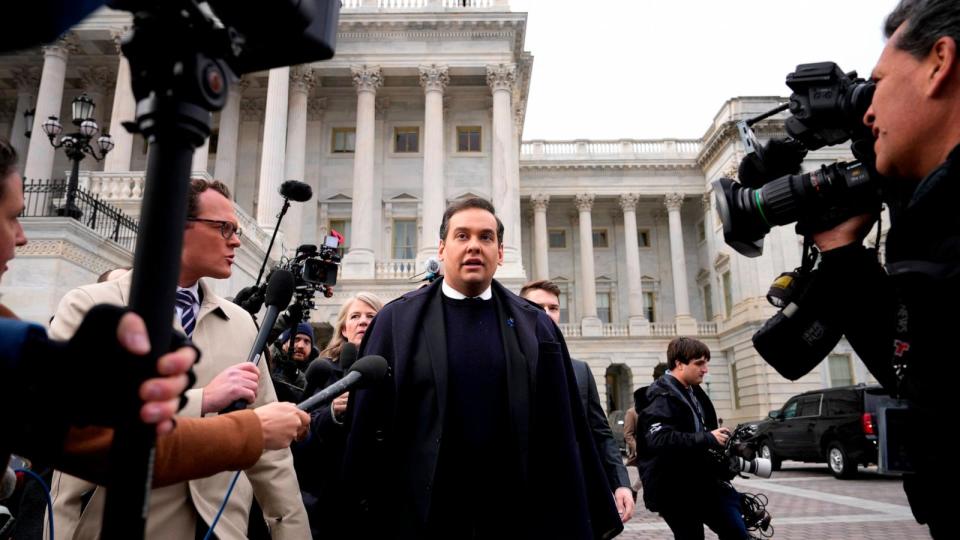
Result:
[
  {"x": 251, "y": 298},
  {"x": 851, "y": 231},
  {"x": 339, "y": 404},
  {"x": 161, "y": 395},
  {"x": 239, "y": 381},
  {"x": 721, "y": 435},
  {"x": 282, "y": 423}
]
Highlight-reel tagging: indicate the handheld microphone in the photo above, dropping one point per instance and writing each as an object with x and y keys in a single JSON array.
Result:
[
  {"x": 348, "y": 355},
  {"x": 279, "y": 293},
  {"x": 365, "y": 371},
  {"x": 296, "y": 191}
]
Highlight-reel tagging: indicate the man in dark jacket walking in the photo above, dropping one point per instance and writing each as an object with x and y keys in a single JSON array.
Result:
[{"x": 681, "y": 478}]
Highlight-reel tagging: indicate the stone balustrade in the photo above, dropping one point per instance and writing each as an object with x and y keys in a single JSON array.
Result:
[
  {"x": 422, "y": 5},
  {"x": 591, "y": 149},
  {"x": 663, "y": 329},
  {"x": 396, "y": 269}
]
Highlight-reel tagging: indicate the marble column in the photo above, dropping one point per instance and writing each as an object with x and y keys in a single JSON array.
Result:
[
  {"x": 301, "y": 82},
  {"x": 96, "y": 80},
  {"x": 273, "y": 149},
  {"x": 686, "y": 325},
  {"x": 124, "y": 110},
  {"x": 313, "y": 223},
  {"x": 505, "y": 188},
  {"x": 26, "y": 79},
  {"x": 360, "y": 262},
  {"x": 540, "y": 201},
  {"x": 639, "y": 325},
  {"x": 434, "y": 80},
  {"x": 225, "y": 168},
  {"x": 708, "y": 224},
  {"x": 590, "y": 324},
  {"x": 40, "y": 155}
]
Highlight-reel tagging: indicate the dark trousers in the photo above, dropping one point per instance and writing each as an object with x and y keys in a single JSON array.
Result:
[{"x": 720, "y": 512}]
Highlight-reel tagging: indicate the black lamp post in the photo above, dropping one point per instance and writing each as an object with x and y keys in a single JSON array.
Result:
[
  {"x": 77, "y": 146},
  {"x": 28, "y": 116}
]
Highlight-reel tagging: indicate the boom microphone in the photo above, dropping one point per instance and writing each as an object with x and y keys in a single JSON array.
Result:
[
  {"x": 367, "y": 370},
  {"x": 296, "y": 191},
  {"x": 279, "y": 293}
]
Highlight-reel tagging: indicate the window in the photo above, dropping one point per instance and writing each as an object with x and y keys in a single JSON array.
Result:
[
  {"x": 707, "y": 301},
  {"x": 841, "y": 370},
  {"x": 649, "y": 307},
  {"x": 557, "y": 238},
  {"x": 727, "y": 293},
  {"x": 344, "y": 140},
  {"x": 564, "y": 310},
  {"x": 643, "y": 238},
  {"x": 342, "y": 226},
  {"x": 790, "y": 409},
  {"x": 468, "y": 138},
  {"x": 701, "y": 231},
  {"x": 809, "y": 406},
  {"x": 214, "y": 141},
  {"x": 841, "y": 403},
  {"x": 404, "y": 238},
  {"x": 735, "y": 383},
  {"x": 603, "y": 307},
  {"x": 600, "y": 239},
  {"x": 406, "y": 140}
]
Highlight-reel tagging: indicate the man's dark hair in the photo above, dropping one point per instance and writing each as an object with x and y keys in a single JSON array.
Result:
[
  {"x": 198, "y": 186},
  {"x": 543, "y": 284},
  {"x": 8, "y": 163},
  {"x": 661, "y": 368},
  {"x": 926, "y": 22},
  {"x": 464, "y": 204},
  {"x": 684, "y": 349}
]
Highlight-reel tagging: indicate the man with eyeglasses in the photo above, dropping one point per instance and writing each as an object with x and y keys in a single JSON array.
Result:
[{"x": 225, "y": 334}]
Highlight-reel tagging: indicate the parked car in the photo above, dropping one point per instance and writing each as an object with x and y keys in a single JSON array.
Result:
[
  {"x": 835, "y": 425},
  {"x": 615, "y": 419}
]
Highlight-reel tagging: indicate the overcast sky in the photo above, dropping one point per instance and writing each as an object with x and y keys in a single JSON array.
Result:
[{"x": 608, "y": 69}]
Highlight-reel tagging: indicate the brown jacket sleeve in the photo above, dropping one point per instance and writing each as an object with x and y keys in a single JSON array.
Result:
[
  {"x": 184, "y": 454},
  {"x": 630, "y": 432}
]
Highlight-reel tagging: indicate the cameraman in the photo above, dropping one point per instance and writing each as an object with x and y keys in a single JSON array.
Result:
[
  {"x": 900, "y": 322},
  {"x": 682, "y": 480}
]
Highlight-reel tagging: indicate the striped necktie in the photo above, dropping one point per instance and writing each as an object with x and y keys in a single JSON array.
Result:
[{"x": 186, "y": 301}]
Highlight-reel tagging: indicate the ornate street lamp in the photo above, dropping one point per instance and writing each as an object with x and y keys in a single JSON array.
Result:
[
  {"x": 77, "y": 146},
  {"x": 28, "y": 116}
]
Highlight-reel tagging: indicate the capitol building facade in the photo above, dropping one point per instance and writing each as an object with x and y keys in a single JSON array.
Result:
[{"x": 424, "y": 103}]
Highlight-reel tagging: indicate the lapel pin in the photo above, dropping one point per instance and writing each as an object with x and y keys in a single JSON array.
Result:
[{"x": 510, "y": 322}]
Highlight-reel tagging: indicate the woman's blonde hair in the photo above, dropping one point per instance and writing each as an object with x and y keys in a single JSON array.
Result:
[{"x": 337, "y": 340}]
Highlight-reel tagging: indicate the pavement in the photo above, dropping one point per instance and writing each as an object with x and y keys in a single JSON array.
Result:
[{"x": 808, "y": 503}]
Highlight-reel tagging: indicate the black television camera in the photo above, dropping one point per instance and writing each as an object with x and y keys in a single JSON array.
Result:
[
  {"x": 827, "y": 107},
  {"x": 314, "y": 270},
  {"x": 738, "y": 455}
]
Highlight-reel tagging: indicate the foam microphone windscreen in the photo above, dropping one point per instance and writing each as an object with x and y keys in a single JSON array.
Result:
[
  {"x": 296, "y": 190},
  {"x": 372, "y": 368},
  {"x": 348, "y": 355},
  {"x": 280, "y": 289},
  {"x": 318, "y": 375}
]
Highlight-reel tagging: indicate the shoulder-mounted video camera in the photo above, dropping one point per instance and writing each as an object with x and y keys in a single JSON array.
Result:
[{"x": 827, "y": 108}]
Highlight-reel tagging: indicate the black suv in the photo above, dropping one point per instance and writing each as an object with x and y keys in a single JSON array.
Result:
[{"x": 836, "y": 425}]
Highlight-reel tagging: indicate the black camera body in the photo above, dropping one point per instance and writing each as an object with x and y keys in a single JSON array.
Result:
[
  {"x": 738, "y": 455},
  {"x": 827, "y": 108},
  {"x": 317, "y": 267}
]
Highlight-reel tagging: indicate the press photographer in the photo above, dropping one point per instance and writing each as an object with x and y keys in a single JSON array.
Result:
[
  {"x": 684, "y": 466},
  {"x": 898, "y": 318}
]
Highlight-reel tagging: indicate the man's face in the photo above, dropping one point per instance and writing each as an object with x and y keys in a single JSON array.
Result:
[
  {"x": 692, "y": 372},
  {"x": 548, "y": 301},
  {"x": 11, "y": 232},
  {"x": 206, "y": 253},
  {"x": 900, "y": 114},
  {"x": 471, "y": 251},
  {"x": 301, "y": 347}
]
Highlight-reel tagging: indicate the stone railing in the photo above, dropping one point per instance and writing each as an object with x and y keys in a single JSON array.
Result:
[
  {"x": 622, "y": 148},
  {"x": 706, "y": 328},
  {"x": 615, "y": 330},
  {"x": 396, "y": 269},
  {"x": 423, "y": 5},
  {"x": 570, "y": 330},
  {"x": 251, "y": 229},
  {"x": 663, "y": 329},
  {"x": 114, "y": 186}
]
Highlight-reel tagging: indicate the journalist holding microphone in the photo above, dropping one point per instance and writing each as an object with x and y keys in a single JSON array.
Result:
[
  {"x": 224, "y": 333},
  {"x": 318, "y": 459}
]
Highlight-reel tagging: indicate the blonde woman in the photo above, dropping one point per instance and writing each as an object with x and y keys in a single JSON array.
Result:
[{"x": 318, "y": 459}]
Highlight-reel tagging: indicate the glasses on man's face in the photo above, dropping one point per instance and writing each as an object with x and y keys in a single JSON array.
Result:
[{"x": 227, "y": 229}]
